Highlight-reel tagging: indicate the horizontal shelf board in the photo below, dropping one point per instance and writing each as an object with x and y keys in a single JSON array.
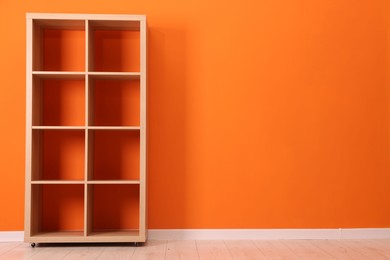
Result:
[
  {"x": 87, "y": 127},
  {"x": 112, "y": 233},
  {"x": 59, "y": 74},
  {"x": 59, "y": 234},
  {"x": 114, "y": 127},
  {"x": 57, "y": 237},
  {"x": 59, "y": 127},
  {"x": 58, "y": 182},
  {"x": 114, "y": 75},
  {"x": 87, "y": 182},
  {"x": 114, "y": 182}
]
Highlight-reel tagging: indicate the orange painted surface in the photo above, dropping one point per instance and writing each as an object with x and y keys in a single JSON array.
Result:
[
  {"x": 62, "y": 207},
  {"x": 63, "y": 155},
  {"x": 262, "y": 114},
  {"x": 59, "y": 49},
  {"x": 112, "y": 48},
  {"x": 116, "y": 155},
  {"x": 115, "y": 207},
  {"x": 116, "y": 103},
  {"x": 63, "y": 103}
]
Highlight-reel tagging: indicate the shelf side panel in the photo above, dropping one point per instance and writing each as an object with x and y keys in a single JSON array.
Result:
[
  {"x": 144, "y": 129},
  {"x": 28, "y": 225}
]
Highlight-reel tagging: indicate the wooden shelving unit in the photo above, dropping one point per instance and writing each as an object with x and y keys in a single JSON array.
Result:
[{"x": 85, "y": 128}]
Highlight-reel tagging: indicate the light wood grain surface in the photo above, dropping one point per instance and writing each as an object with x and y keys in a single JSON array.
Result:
[
  {"x": 36, "y": 74},
  {"x": 201, "y": 249}
]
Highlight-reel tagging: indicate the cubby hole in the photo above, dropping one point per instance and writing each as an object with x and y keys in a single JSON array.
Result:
[
  {"x": 115, "y": 47},
  {"x": 59, "y": 45},
  {"x": 58, "y": 209},
  {"x": 58, "y": 102},
  {"x": 114, "y": 155},
  {"x": 114, "y": 102},
  {"x": 58, "y": 154},
  {"x": 122, "y": 203}
]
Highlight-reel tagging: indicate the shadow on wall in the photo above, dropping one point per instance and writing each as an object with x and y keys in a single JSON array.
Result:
[{"x": 167, "y": 72}]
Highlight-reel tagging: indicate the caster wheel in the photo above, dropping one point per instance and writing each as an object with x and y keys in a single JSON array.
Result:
[{"x": 33, "y": 245}]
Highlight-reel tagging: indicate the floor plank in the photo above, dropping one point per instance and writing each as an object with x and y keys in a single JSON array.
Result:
[
  {"x": 84, "y": 253},
  {"x": 376, "y": 249},
  {"x": 377, "y": 246},
  {"x": 305, "y": 250},
  {"x": 181, "y": 249},
  {"x": 337, "y": 250},
  {"x": 385, "y": 243},
  {"x": 117, "y": 253},
  {"x": 363, "y": 249},
  {"x": 150, "y": 250},
  {"x": 213, "y": 249},
  {"x": 5, "y": 247},
  {"x": 50, "y": 253},
  {"x": 275, "y": 250},
  {"x": 243, "y": 249},
  {"x": 21, "y": 251}
]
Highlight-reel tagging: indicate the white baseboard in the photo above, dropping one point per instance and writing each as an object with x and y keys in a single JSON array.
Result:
[
  {"x": 240, "y": 234},
  {"x": 11, "y": 236}
]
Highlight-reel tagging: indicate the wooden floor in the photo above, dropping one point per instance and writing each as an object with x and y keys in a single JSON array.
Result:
[{"x": 200, "y": 249}]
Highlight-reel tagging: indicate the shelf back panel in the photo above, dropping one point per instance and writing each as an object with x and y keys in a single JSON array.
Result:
[
  {"x": 115, "y": 155},
  {"x": 115, "y": 102},
  {"x": 60, "y": 208},
  {"x": 58, "y": 155},
  {"x": 58, "y": 49},
  {"x": 122, "y": 203},
  {"x": 115, "y": 50},
  {"x": 58, "y": 102}
]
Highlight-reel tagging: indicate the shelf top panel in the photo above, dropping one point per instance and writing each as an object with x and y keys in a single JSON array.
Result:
[
  {"x": 93, "y": 21},
  {"x": 94, "y": 17}
]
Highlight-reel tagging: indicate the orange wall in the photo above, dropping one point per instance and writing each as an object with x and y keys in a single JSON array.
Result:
[{"x": 263, "y": 113}]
